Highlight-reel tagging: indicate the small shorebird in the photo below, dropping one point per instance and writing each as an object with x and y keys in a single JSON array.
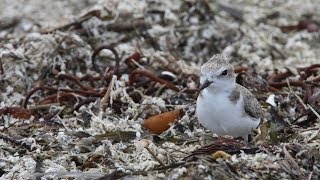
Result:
[{"x": 223, "y": 106}]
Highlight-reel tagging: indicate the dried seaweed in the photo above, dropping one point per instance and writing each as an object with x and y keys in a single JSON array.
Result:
[{"x": 77, "y": 87}]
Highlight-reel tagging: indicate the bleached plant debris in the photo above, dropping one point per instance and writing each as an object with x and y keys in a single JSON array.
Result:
[{"x": 78, "y": 79}]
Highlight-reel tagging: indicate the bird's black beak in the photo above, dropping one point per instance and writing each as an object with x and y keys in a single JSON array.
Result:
[{"x": 205, "y": 84}]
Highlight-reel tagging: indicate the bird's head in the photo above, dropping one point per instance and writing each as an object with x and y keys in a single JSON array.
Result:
[{"x": 217, "y": 74}]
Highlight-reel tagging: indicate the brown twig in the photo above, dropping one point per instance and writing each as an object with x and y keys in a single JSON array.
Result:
[
  {"x": 91, "y": 93},
  {"x": 292, "y": 83},
  {"x": 135, "y": 57},
  {"x": 132, "y": 79},
  {"x": 87, "y": 16},
  {"x": 75, "y": 79},
  {"x": 313, "y": 66},
  {"x": 85, "y": 101},
  {"x": 230, "y": 146},
  {"x": 308, "y": 71},
  {"x": 1, "y": 67},
  {"x": 224, "y": 144},
  {"x": 133, "y": 75},
  {"x": 294, "y": 164},
  {"x": 154, "y": 156},
  {"x": 16, "y": 112},
  {"x": 89, "y": 78},
  {"x": 281, "y": 76},
  {"x": 58, "y": 98},
  {"x": 284, "y": 84},
  {"x": 276, "y": 81}
]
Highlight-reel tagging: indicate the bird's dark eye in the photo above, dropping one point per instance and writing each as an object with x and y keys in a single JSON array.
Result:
[{"x": 224, "y": 73}]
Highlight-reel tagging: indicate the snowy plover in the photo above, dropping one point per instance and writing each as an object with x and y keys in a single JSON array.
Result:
[{"x": 223, "y": 106}]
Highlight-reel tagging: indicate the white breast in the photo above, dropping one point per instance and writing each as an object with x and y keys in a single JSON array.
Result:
[{"x": 223, "y": 117}]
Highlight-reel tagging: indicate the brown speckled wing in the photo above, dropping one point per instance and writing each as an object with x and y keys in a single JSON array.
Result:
[{"x": 252, "y": 106}]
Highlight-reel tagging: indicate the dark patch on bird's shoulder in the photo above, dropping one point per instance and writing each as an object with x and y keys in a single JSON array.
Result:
[{"x": 234, "y": 95}]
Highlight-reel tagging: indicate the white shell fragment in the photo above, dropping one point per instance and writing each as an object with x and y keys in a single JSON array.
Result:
[{"x": 270, "y": 100}]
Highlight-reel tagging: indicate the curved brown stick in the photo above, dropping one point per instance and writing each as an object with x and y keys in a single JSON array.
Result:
[
  {"x": 81, "y": 92},
  {"x": 97, "y": 51}
]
